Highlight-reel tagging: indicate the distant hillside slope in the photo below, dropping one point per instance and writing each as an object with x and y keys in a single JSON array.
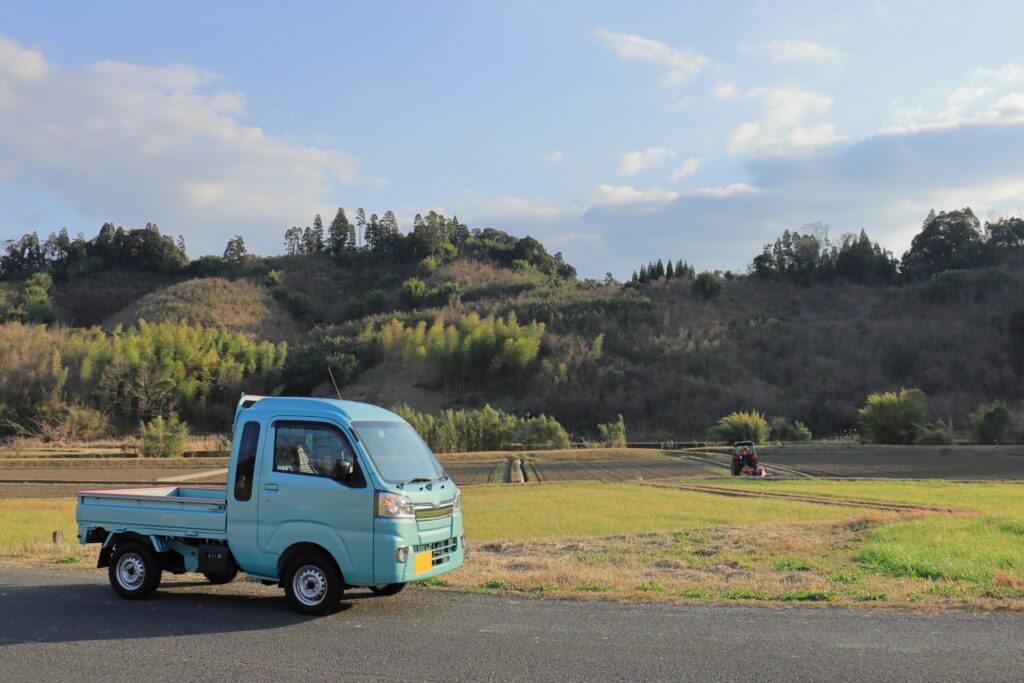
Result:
[
  {"x": 89, "y": 300},
  {"x": 238, "y": 305}
]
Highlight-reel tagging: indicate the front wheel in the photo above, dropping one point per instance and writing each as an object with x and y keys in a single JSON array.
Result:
[
  {"x": 388, "y": 589},
  {"x": 134, "y": 570},
  {"x": 313, "y": 583}
]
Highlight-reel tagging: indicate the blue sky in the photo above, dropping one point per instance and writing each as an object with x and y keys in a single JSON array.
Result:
[{"x": 617, "y": 133}]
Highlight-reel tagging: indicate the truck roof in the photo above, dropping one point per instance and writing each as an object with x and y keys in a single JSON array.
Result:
[{"x": 353, "y": 411}]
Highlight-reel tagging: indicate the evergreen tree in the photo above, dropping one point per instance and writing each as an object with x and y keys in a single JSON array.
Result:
[
  {"x": 338, "y": 233},
  {"x": 317, "y": 245},
  {"x": 668, "y": 270},
  {"x": 372, "y": 236},
  {"x": 659, "y": 270},
  {"x": 389, "y": 232}
]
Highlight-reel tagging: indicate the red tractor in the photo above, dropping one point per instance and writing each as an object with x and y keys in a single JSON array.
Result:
[{"x": 744, "y": 460}]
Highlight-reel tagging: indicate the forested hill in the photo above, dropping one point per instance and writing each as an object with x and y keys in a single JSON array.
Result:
[{"x": 101, "y": 333}]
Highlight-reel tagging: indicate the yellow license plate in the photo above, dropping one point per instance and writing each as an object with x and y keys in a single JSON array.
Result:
[{"x": 424, "y": 562}]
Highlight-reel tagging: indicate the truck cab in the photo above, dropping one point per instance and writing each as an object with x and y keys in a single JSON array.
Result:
[{"x": 322, "y": 495}]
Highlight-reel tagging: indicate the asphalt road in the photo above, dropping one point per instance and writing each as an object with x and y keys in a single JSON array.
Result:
[{"x": 68, "y": 625}]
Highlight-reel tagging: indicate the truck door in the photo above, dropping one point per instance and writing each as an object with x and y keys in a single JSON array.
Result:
[
  {"x": 243, "y": 500},
  {"x": 308, "y": 496}
]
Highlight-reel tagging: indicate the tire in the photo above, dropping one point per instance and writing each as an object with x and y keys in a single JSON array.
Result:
[
  {"x": 313, "y": 583},
  {"x": 134, "y": 570},
  {"x": 217, "y": 579},
  {"x": 388, "y": 589},
  {"x": 735, "y": 470}
]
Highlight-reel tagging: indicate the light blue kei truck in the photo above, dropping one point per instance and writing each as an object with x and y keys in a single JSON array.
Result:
[{"x": 322, "y": 495}]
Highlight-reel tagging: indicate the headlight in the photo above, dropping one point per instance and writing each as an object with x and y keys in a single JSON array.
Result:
[
  {"x": 457, "y": 503},
  {"x": 394, "y": 505}
]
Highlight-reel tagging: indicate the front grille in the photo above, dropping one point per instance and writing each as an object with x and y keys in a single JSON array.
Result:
[
  {"x": 427, "y": 511},
  {"x": 441, "y": 551}
]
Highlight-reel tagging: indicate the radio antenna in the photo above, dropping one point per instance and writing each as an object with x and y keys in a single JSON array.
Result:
[{"x": 336, "y": 389}]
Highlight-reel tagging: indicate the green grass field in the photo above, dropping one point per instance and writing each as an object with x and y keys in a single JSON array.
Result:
[
  {"x": 597, "y": 509},
  {"x": 971, "y": 548}
]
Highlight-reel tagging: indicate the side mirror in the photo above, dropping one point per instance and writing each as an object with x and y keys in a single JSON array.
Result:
[{"x": 342, "y": 470}]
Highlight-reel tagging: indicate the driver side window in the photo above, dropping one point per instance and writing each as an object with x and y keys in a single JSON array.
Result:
[{"x": 317, "y": 451}]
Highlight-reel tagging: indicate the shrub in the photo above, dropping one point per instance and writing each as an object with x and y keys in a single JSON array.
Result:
[
  {"x": 613, "y": 434},
  {"x": 58, "y": 421},
  {"x": 991, "y": 423},
  {"x": 163, "y": 438},
  {"x": 428, "y": 266},
  {"x": 784, "y": 430},
  {"x": 938, "y": 433},
  {"x": 274, "y": 278},
  {"x": 893, "y": 418},
  {"x": 413, "y": 292},
  {"x": 707, "y": 285},
  {"x": 741, "y": 426},
  {"x": 36, "y": 301},
  {"x": 298, "y": 304},
  {"x": 376, "y": 301}
]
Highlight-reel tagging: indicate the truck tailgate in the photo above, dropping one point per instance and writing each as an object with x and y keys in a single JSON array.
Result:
[{"x": 166, "y": 510}]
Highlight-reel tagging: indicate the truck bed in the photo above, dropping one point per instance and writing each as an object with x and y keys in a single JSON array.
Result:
[{"x": 162, "y": 511}]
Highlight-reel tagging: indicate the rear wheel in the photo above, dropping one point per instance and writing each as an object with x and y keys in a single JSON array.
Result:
[
  {"x": 736, "y": 467},
  {"x": 217, "y": 579},
  {"x": 388, "y": 589},
  {"x": 313, "y": 583},
  {"x": 134, "y": 570}
]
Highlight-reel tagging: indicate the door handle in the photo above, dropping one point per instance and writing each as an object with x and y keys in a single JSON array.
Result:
[{"x": 270, "y": 487}]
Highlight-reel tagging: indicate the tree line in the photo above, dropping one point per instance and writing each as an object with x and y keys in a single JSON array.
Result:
[{"x": 64, "y": 258}]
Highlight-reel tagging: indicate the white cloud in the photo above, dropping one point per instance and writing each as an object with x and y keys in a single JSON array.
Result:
[
  {"x": 677, "y": 66},
  {"x": 687, "y": 168},
  {"x": 515, "y": 208},
  {"x": 722, "y": 192},
  {"x": 554, "y": 157},
  {"x": 652, "y": 197},
  {"x": 633, "y": 162},
  {"x": 1007, "y": 74},
  {"x": 783, "y": 128},
  {"x": 801, "y": 52},
  {"x": 134, "y": 143},
  {"x": 725, "y": 91}
]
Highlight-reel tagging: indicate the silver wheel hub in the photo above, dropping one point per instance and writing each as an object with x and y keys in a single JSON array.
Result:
[
  {"x": 131, "y": 571},
  {"x": 309, "y": 585}
]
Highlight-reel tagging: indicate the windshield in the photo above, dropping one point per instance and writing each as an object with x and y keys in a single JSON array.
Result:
[{"x": 398, "y": 452}]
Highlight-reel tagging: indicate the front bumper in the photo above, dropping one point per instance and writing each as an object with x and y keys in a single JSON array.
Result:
[{"x": 439, "y": 542}]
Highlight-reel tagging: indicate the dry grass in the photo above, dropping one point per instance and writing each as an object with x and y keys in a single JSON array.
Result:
[{"x": 238, "y": 305}]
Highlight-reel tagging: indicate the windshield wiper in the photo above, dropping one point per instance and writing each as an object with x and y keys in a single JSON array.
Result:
[{"x": 414, "y": 480}]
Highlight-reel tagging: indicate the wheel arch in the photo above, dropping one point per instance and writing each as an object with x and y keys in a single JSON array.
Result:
[{"x": 296, "y": 549}]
